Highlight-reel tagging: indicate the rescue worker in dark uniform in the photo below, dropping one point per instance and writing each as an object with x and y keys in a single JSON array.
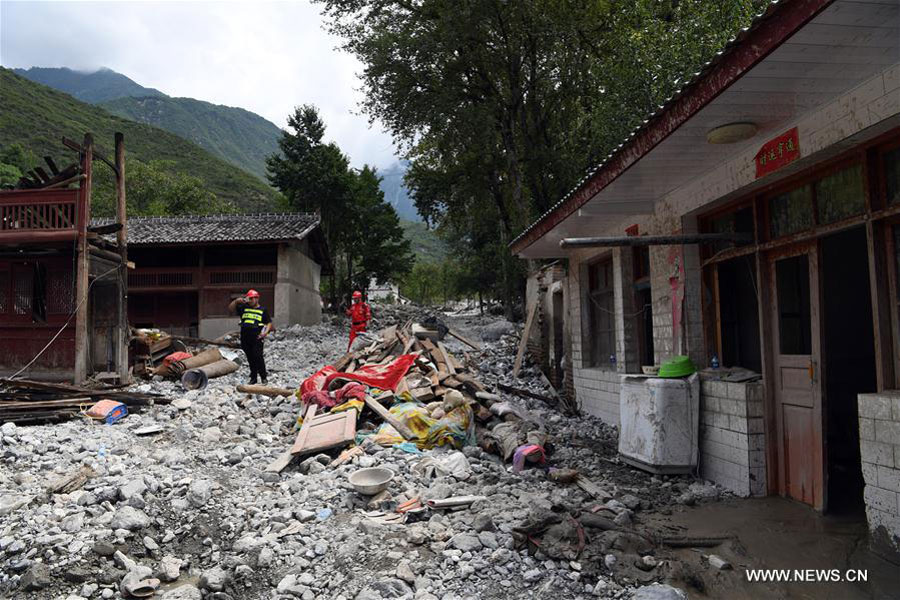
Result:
[{"x": 256, "y": 324}]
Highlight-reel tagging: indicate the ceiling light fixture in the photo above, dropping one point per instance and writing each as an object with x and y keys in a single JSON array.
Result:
[{"x": 731, "y": 133}]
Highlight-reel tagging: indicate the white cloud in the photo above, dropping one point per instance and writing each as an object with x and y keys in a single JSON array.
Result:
[{"x": 266, "y": 57}]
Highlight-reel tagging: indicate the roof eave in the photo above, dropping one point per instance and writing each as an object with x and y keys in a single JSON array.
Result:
[{"x": 778, "y": 23}]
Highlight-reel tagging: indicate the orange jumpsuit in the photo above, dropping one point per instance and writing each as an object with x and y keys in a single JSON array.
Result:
[{"x": 360, "y": 314}]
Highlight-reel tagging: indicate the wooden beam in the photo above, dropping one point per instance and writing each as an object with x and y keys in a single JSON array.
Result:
[
  {"x": 382, "y": 412},
  {"x": 524, "y": 341},
  {"x": 122, "y": 241},
  {"x": 83, "y": 268}
]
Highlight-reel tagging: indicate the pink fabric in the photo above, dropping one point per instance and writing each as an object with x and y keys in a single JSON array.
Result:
[
  {"x": 351, "y": 391},
  {"x": 531, "y": 451},
  {"x": 321, "y": 398}
]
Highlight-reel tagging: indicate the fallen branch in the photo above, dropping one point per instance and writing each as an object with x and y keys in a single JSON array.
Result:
[{"x": 273, "y": 392}]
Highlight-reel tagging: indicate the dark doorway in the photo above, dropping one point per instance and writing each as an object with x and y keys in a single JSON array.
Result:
[
  {"x": 848, "y": 344},
  {"x": 557, "y": 337}
]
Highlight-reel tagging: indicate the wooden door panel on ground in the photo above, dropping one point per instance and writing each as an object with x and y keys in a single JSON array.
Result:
[{"x": 798, "y": 396}]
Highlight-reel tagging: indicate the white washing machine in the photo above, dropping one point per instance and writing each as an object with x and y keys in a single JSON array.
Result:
[{"x": 659, "y": 423}]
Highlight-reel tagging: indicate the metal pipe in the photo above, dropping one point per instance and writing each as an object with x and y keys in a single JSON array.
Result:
[
  {"x": 455, "y": 501},
  {"x": 653, "y": 240}
]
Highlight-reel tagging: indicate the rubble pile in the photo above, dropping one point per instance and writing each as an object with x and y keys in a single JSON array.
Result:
[{"x": 176, "y": 502}]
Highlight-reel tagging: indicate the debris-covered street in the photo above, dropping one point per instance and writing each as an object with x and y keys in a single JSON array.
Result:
[{"x": 191, "y": 505}]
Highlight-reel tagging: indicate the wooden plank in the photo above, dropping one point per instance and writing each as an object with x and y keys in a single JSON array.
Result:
[
  {"x": 265, "y": 390},
  {"x": 524, "y": 341},
  {"x": 592, "y": 488},
  {"x": 323, "y": 432},
  {"x": 447, "y": 358},
  {"x": 278, "y": 465},
  {"x": 382, "y": 412},
  {"x": 464, "y": 340}
]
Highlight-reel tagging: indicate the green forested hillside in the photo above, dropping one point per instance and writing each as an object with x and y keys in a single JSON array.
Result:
[
  {"x": 426, "y": 244},
  {"x": 98, "y": 86},
  {"x": 38, "y": 117},
  {"x": 239, "y": 136}
]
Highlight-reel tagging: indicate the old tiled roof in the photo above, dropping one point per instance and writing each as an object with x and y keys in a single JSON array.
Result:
[{"x": 194, "y": 229}]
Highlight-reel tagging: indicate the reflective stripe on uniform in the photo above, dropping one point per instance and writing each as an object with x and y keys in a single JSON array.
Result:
[{"x": 252, "y": 316}]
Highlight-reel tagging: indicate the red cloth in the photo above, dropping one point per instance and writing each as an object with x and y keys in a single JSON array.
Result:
[
  {"x": 383, "y": 377},
  {"x": 320, "y": 398},
  {"x": 176, "y": 356}
]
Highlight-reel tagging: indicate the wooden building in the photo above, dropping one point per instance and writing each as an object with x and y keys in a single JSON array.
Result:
[
  {"x": 62, "y": 286},
  {"x": 786, "y": 148},
  {"x": 189, "y": 268}
]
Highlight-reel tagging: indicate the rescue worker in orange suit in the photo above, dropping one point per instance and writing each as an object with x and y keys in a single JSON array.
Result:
[
  {"x": 256, "y": 324},
  {"x": 360, "y": 314}
]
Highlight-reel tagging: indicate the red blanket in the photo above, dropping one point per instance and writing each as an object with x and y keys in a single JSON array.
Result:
[{"x": 383, "y": 377}]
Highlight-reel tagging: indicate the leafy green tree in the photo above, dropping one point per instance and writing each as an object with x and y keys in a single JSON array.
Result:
[
  {"x": 503, "y": 106},
  {"x": 154, "y": 189},
  {"x": 17, "y": 156},
  {"x": 378, "y": 248},
  {"x": 9, "y": 175}
]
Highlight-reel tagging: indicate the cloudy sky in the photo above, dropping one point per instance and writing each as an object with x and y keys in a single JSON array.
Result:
[{"x": 266, "y": 57}]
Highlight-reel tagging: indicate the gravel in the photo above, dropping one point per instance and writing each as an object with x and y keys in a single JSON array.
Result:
[{"x": 193, "y": 508}]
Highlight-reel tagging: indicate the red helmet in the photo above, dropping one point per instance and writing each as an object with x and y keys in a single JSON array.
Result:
[
  {"x": 357, "y": 294},
  {"x": 252, "y": 294}
]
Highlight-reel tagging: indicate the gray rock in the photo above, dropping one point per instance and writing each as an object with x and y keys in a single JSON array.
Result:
[
  {"x": 659, "y": 592},
  {"x": 127, "y": 517},
  {"x": 37, "y": 577},
  {"x": 405, "y": 573},
  {"x": 181, "y": 403},
  {"x": 184, "y": 592},
  {"x": 200, "y": 492},
  {"x": 532, "y": 575},
  {"x": 488, "y": 539},
  {"x": 494, "y": 331},
  {"x": 466, "y": 542},
  {"x": 72, "y": 523},
  {"x": 483, "y": 522},
  {"x": 170, "y": 568},
  {"x": 384, "y": 589},
  {"x": 104, "y": 548},
  {"x": 136, "y": 487},
  {"x": 214, "y": 579},
  {"x": 717, "y": 562}
]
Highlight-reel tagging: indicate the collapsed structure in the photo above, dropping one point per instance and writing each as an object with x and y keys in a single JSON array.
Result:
[
  {"x": 62, "y": 285},
  {"x": 752, "y": 222}
]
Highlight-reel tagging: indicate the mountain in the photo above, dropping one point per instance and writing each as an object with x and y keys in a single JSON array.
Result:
[
  {"x": 38, "y": 117},
  {"x": 426, "y": 244},
  {"x": 395, "y": 191},
  {"x": 239, "y": 136},
  {"x": 94, "y": 87}
]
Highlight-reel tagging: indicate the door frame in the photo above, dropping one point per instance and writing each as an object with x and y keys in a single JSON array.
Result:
[{"x": 776, "y": 437}]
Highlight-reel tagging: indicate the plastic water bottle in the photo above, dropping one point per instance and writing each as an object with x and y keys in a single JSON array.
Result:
[{"x": 714, "y": 363}]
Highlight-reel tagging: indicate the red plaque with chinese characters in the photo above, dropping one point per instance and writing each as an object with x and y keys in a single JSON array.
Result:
[{"x": 777, "y": 153}]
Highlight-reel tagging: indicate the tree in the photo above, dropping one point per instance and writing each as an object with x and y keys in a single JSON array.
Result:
[
  {"x": 154, "y": 189},
  {"x": 378, "y": 248},
  {"x": 362, "y": 230},
  {"x": 9, "y": 175},
  {"x": 503, "y": 106}
]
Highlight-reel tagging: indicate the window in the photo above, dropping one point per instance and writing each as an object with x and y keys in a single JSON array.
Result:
[
  {"x": 790, "y": 212},
  {"x": 794, "y": 318},
  {"x": 600, "y": 310},
  {"x": 840, "y": 195}
]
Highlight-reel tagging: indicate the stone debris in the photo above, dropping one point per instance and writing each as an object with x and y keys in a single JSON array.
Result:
[{"x": 191, "y": 513}]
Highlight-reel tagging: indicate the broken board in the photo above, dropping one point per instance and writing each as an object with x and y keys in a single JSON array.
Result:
[
  {"x": 382, "y": 412},
  {"x": 523, "y": 342},
  {"x": 324, "y": 432}
]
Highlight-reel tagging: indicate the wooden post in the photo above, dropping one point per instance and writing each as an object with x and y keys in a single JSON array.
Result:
[
  {"x": 122, "y": 240},
  {"x": 83, "y": 267}
]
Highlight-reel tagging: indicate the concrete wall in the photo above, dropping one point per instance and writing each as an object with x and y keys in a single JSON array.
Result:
[
  {"x": 732, "y": 440},
  {"x": 297, "y": 298},
  {"x": 879, "y": 435}
]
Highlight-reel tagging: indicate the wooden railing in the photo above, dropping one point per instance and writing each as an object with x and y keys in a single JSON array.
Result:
[
  {"x": 39, "y": 215},
  {"x": 167, "y": 278}
]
